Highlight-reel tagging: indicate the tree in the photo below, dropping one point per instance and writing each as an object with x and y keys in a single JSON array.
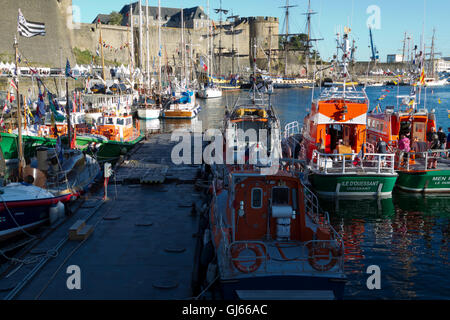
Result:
[{"x": 115, "y": 18}]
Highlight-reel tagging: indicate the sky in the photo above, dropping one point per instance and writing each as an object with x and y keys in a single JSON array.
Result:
[{"x": 390, "y": 20}]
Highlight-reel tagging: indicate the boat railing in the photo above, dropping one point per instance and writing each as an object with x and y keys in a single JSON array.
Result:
[
  {"x": 420, "y": 161},
  {"x": 312, "y": 208},
  {"x": 348, "y": 163},
  {"x": 292, "y": 128},
  {"x": 268, "y": 258}
]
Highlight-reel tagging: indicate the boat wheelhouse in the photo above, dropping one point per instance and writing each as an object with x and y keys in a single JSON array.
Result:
[{"x": 117, "y": 127}]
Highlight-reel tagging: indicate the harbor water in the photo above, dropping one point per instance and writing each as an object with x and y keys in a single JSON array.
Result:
[{"x": 406, "y": 236}]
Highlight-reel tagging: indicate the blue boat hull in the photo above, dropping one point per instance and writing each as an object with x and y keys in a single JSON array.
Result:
[{"x": 26, "y": 217}]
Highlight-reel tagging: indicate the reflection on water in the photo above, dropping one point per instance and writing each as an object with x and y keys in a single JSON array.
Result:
[{"x": 407, "y": 235}]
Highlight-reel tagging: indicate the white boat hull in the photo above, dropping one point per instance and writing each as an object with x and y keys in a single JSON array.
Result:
[
  {"x": 210, "y": 93},
  {"x": 147, "y": 113}
]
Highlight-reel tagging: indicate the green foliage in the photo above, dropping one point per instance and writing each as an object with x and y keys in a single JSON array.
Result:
[
  {"x": 85, "y": 57},
  {"x": 82, "y": 57},
  {"x": 298, "y": 43},
  {"x": 115, "y": 18}
]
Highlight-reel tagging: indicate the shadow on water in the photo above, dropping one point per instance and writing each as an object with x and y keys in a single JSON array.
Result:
[{"x": 407, "y": 236}]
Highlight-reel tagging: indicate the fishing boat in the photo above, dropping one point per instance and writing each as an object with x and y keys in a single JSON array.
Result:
[
  {"x": 66, "y": 173},
  {"x": 185, "y": 107},
  {"x": 340, "y": 162},
  {"x": 415, "y": 172}
]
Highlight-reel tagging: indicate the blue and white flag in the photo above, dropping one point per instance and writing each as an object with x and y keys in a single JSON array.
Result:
[{"x": 28, "y": 28}]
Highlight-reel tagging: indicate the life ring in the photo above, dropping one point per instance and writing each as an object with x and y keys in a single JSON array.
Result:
[
  {"x": 247, "y": 268},
  {"x": 320, "y": 251}
]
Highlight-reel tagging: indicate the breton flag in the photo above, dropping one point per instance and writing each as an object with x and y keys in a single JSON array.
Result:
[{"x": 28, "y": 28}]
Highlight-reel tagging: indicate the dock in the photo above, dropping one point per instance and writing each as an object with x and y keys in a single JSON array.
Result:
[{"x": 142, "y": 241}]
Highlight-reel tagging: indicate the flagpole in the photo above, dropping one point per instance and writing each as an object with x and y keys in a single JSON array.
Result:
[{"x": 19, "y": 115}]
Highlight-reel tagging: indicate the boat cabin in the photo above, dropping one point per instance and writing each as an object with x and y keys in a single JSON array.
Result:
[
  {"x": 115, "y": 127},
  {"x": 390, "y": 125},
  {"x": 336, "y": 124}
]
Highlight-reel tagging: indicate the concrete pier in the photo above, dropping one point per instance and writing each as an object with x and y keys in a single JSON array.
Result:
[{"x": 142, "y": 246}]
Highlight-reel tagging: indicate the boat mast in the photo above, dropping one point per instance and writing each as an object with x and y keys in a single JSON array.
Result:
[
  {"x": 159, "y": 53},
  {"x": 233, "y": 52},
  {"x": 132, "y": 42},
  {"x": 19, "y": 115},
  {"x": 287, "y": 6},
  {"x": 140, "y": 36},
  {"x": 221, "y": 12},
  {"x": 69, "y": 127},
  {"x": 308, "y": 14},
  {"x": 183, "y": 47},
  {"x": 148, "y": 45}
]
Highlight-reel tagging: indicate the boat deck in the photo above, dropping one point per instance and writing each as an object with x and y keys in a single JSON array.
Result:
[
  {"x": 142, "y": 246},
  {"x": 420, "y": 165}
]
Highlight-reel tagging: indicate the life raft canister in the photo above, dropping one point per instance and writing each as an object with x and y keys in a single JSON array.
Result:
[
  {"x": 238, "y": 262},
  {"x": 323, "y": 251}
]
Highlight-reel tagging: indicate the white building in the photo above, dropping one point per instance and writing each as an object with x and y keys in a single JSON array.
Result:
[
  {"x": 393, "y": 58},
  {"x": 442, "y": 64}
]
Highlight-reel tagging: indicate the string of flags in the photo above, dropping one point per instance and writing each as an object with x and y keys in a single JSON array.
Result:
[{"x": 112, "y": 48}]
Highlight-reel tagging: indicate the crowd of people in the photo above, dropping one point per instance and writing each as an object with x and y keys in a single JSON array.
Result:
[{"x": 436, "y": 140}]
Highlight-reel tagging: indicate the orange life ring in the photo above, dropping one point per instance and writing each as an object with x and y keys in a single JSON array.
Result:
[
  {"x": 320, "y": 251},
  {"x": 243, "y": 268}
]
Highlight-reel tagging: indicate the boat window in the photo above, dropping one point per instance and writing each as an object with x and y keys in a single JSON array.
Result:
[
  {"x": 280, "y": 196},
  {"x": 128, "y": 121},
  {"x": 256, "y": 198},
  {"x": 109, "y": 121},
  {"x": 120, "y": 121}
]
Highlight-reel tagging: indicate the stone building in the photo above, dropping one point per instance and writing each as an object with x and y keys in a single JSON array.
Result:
[{"x": 63, "y": 37}]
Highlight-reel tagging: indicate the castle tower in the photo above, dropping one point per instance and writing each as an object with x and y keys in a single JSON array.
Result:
[{"x": 263, "y": 33}]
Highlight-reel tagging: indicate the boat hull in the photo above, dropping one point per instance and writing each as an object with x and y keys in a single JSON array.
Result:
[
  {"x": 148, "y": 114},
  {"x": 432, "y": 181},
  {"x": 23, "y": 207},
  {"x": 180, "y": 114},
  {"x": 353, "y": 185},
  {"x": 277, "y": 285},
  {"x": 108, "y": 149}
]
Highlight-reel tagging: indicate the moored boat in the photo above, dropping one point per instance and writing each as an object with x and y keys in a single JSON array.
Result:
[
  {"x": 340, "y": 161},
  {"x": 264, "y": 237},
  {"x": 420, "y": 169}
]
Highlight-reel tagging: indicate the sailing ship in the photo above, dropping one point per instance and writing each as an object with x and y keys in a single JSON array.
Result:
[{"x": 340, "y": 161}]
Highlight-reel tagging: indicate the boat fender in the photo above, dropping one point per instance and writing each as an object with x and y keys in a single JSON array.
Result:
[
  {"x": 237, "y": 262},
  {"x": 56, "y": 212}
]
